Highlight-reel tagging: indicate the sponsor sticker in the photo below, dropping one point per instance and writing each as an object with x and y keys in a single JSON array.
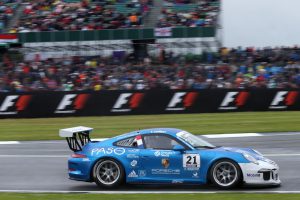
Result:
[
  {"x": 191, "y": 161},
  {"x": 165, "y": 171},
  {"x": 110, "y": 150},
  {"x": 195, "y": 175},
  {"x": 133, "y": 163},
  {"x": 132, "y": 156},
  {"x": 177, "y": 181},
  {"x": 132, "y": 174},
  {"x": 163, "y": 153},
  {"x": 165, "y": 162},
  {"x": 157, "y": 153},
  {"x": 253, "y": 175},
  {"x": 142, "y": 173},
  {"x": 133, "y": 150}
]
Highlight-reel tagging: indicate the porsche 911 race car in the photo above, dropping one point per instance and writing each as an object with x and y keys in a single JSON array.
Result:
[{"x": 163, "y": 156}]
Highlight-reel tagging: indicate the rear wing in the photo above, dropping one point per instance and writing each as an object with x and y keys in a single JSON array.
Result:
[{"x": 76, "y": 137}]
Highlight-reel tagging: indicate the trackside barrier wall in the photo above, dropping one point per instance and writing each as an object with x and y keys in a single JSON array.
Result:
[
  {"x": 58, "y": 104},
  {"x": 119, "y": 34}
]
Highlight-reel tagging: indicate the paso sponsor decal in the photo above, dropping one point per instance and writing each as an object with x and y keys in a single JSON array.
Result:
[
  {"x": 182, "y": 101},
  {"x": 234, "y": 100},
  {"x": 13, "y": 104},
  {"x": 284, "y": 99},
  {"x": 71, "y": 103},
  {"x": 110, "y": 150},
  {"x": 127, "y": 102}
]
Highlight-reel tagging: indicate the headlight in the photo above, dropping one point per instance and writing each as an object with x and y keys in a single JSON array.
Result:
[
  {"x": 250, "y": 158},
  {"x": 257, "y": 152}
]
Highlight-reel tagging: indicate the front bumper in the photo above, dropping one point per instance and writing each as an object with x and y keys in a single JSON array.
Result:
[{"x": 263, "y": 173}]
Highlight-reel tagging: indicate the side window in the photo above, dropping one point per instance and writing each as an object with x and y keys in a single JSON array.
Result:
[
  {"x": 128, "y": 142},
  {"x": 159, "y": 142},
  {"x": 134, "y": 142}
]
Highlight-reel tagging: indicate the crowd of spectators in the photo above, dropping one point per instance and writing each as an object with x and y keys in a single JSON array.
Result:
[
  {"x": 181, "y": 13},
  {"x": 6, "y": 11},
  {"x": 57, "y": 15},
  {"x": 228, "y": 68}
]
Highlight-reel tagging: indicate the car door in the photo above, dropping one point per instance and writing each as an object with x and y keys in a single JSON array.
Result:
[{"x": 159, "y": 161}]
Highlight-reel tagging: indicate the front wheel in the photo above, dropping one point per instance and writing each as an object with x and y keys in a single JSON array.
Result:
[
  {"x": 226, "y": 174},
  {"x": 108, "y": 173}
]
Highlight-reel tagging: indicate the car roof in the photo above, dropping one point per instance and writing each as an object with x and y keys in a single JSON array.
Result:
[{"x": 169, "y": 131}]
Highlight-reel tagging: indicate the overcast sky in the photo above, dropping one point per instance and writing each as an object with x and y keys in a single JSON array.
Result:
[{"x": 261, "y": 22}]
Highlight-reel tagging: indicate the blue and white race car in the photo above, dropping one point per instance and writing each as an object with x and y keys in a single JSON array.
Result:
[{"x": 164, "y": 156}]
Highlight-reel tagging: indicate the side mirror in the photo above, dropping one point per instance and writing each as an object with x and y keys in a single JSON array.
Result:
[{"x": 178, "y": 148}]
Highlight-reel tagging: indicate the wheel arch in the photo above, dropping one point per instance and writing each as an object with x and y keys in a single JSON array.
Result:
[
  {"x": 208, "y": 178},
  {"x": 105, "y": 157}
]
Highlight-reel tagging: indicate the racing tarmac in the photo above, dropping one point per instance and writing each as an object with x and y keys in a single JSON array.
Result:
[{"x": 41, "y": 166}]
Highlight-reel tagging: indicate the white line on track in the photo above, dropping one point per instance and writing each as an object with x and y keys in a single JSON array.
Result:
[
  {"x": 282, "y": 154},
  {"x": 211, "y": 136},
  {"x": 9, "y": 142},
  {"x": 233, "y": 135},
  {"x": 148, "y": 192}
]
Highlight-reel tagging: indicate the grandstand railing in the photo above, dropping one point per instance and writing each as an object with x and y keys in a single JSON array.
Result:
[{"x": 119, "y": 34}]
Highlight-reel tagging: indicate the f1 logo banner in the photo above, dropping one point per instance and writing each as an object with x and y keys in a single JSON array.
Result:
[
  {"x": 182, "y": 101},
  {"x": 129, "y": 102},
  {"x": 13, "y": 104},
  {"x": 234, "y": 100},
  {"x": 284, "y": 99},
  {"x": 70, "y": 103}
]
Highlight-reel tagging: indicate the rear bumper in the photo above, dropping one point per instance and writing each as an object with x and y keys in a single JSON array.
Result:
[
  {"x": 262, "y": 173},
  {"x": 79, "y": 169}
]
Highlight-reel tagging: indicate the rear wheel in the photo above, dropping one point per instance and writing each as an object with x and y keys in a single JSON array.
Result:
[
  {"x": 226, "y": 174},
  {"x": 108, "y": 173}
]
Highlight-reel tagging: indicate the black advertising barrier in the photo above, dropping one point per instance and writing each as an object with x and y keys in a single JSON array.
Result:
[{"x": 85, "y": 103}]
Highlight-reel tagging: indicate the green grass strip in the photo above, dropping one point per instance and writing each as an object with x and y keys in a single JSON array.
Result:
[{"x": 108, "y": 126}]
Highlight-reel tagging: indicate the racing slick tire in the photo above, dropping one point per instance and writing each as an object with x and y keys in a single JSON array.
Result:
[
  {"x": 226, "y": 174},
  {"x": 108, "y": 173}
]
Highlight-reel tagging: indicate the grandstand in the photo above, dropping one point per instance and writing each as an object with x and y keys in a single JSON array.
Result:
[
  {"x": 228, "y": 68},
  {"x": 7, "y": 10},
  {"x": 55, "y": 35},
  {"x": 115, "y": 25}
]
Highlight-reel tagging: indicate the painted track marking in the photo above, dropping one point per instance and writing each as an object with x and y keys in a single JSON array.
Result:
[{"x": 9, "y": 142}]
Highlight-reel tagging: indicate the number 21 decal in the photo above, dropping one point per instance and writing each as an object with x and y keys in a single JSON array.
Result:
[{"x": 191, "y": 160}]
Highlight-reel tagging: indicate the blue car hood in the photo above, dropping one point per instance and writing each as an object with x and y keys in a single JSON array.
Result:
[{"x": 241, "y": 150}]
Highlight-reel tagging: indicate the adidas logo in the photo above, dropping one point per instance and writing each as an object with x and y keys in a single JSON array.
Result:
[{"x": 132, "y": 174}]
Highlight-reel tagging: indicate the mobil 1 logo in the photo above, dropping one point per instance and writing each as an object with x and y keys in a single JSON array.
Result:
[{"x": 191, "y": 161}]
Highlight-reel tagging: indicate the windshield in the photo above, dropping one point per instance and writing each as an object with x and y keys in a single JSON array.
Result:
[{"x": 193, "y": 140}]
